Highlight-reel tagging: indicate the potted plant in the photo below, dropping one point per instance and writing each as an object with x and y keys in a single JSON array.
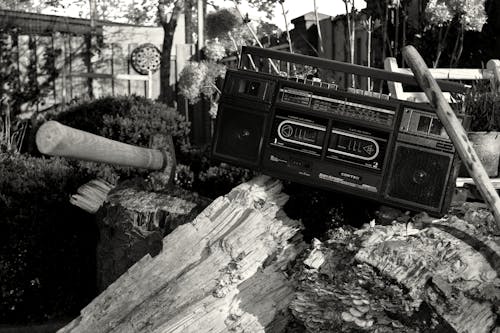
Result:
[{"x": 483, "y": 105}]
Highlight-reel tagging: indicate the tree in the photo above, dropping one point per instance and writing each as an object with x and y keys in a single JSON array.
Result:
[{"x": 168, "y": 15}]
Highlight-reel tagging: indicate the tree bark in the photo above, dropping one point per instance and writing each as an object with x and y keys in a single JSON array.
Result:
[
  {"x": 223, "y": 272},
  {"x": 133, "y": 222},
  {"x": 169, "y": 25}
]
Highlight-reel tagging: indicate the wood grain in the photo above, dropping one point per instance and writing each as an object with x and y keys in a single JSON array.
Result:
[
  {"x": 56, "y": 139},
  {"x": 223, "y": 272}
]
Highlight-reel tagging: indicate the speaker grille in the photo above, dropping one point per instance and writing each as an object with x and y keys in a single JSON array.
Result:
[
  {"x": 239, "y": 135},
  {"x": 419, "y": 176}
]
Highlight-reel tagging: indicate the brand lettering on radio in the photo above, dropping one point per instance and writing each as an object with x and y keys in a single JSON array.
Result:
[{"x": 350, "y": 176}]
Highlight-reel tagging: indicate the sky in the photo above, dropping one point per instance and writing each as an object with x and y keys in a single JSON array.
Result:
[
  {"x": 294, "y": 8},
  {"x": 297, "y": 8}
]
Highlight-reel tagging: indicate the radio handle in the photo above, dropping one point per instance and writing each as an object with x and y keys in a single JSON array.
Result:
[{"x": 347, "y": 68}]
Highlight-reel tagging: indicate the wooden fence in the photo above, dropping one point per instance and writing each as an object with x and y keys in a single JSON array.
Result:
[{"x": 85, "y": 63}]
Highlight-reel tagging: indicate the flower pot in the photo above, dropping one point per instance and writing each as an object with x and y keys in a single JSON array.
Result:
[{"x": 487, "y": 147}]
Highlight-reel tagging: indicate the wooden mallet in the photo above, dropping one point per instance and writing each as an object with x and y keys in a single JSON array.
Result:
[
  {"x": 454, "y": 128},
  {"x": 54, "y": 138}
]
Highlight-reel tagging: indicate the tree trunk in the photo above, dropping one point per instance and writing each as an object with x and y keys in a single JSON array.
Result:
[
  {"x": 133, "y": 222},
  {"x": 223, "y": 272},
  {"x": 169, "y": 25}
]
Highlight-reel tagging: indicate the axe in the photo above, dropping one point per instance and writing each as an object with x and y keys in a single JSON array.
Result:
[{"x": 56, "y": 139}]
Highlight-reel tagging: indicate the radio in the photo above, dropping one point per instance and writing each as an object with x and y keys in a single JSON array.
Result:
[{"x": 297, "y": 127}]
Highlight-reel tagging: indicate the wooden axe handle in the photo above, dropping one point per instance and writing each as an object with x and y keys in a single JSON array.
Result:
[
  {"x": 454, "y": 129},
  {"x": 56, "y": 139}
]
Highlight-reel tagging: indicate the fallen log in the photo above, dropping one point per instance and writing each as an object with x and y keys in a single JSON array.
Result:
[
  {"x": 439, "y": 277},
  {"x": 445, "y": 264},
  {"x": 225, "y": 271},
  {"x": 422, "y": 276}
]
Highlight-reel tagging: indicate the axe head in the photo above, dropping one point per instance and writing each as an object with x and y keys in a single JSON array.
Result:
[{"x": 164, "y": 178}]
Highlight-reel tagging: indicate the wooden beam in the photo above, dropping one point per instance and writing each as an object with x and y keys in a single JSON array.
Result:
[
  {"x": 462, "y": 181},
  {"x": 34, "y": 23},
  {"x": 133, "y": 77}
]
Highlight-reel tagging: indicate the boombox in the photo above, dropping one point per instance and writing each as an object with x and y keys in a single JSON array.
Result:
[{"x": 278, "y": 115}]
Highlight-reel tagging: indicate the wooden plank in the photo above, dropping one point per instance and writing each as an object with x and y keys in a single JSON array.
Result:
[
  {"x": 454, "y": 129},
  {"x": 25, "y": 55},
  {"x": 120, "y": 67},
  {"x": 467, "y": 74},
  {"x": 40, "y": 24},
  {"x": 396, "y": 88},
  {"x": 462, "y": 181},
  {"x": 115, "y": 34},
  {"x": 44, "y": 51},
  {"x": 58, "y": 42},
  {"x": 78, "y": 84}
]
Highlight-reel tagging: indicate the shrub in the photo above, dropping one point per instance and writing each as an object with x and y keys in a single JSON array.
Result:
[
  {"x": 130, "y": 119},
  {"x": 47, "y": 266},
  {"x": 483, "y": 105}
]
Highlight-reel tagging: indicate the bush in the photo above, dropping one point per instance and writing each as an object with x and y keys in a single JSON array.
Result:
[
  {"x": 483, "y": 105},
  {"x": 47, "y": 266},
  {"x": 129, "y": 119},
  {"x": 197, "y": 172}
]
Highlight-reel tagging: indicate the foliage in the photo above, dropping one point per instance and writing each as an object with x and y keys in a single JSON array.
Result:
[
  {"x": 191, "y": 80},
  {"x": 199, "y": 78},
  {"x": 453, "y": 18},
  {"x": 199, "y": 173},
  {"x": 214, "y": 50},
  {"x": 47, "y": 265},
  {"x": 222, "y": 178},
  {"x": 220, "y": 22},
  {"x": 36, "y": 87},
  {"x": 469, "y": 13},
  {"x": 483, "y": 105}
]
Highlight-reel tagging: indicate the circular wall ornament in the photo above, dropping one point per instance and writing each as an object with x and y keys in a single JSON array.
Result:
[{"x": 146, "y": 58}]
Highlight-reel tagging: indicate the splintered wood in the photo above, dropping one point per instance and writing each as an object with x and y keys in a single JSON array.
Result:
[
  {"x": 448, "y": 264},
  {"x": 92, "y": 195},
  {"x": 441, "y": 277},
  {"x": 225, "y": 271}
]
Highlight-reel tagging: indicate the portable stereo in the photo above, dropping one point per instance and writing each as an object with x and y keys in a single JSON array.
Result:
[{"x": 279, "y": 114}]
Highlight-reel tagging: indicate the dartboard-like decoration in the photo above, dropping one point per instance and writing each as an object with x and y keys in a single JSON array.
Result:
[{"x": 146, "y": 58}]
